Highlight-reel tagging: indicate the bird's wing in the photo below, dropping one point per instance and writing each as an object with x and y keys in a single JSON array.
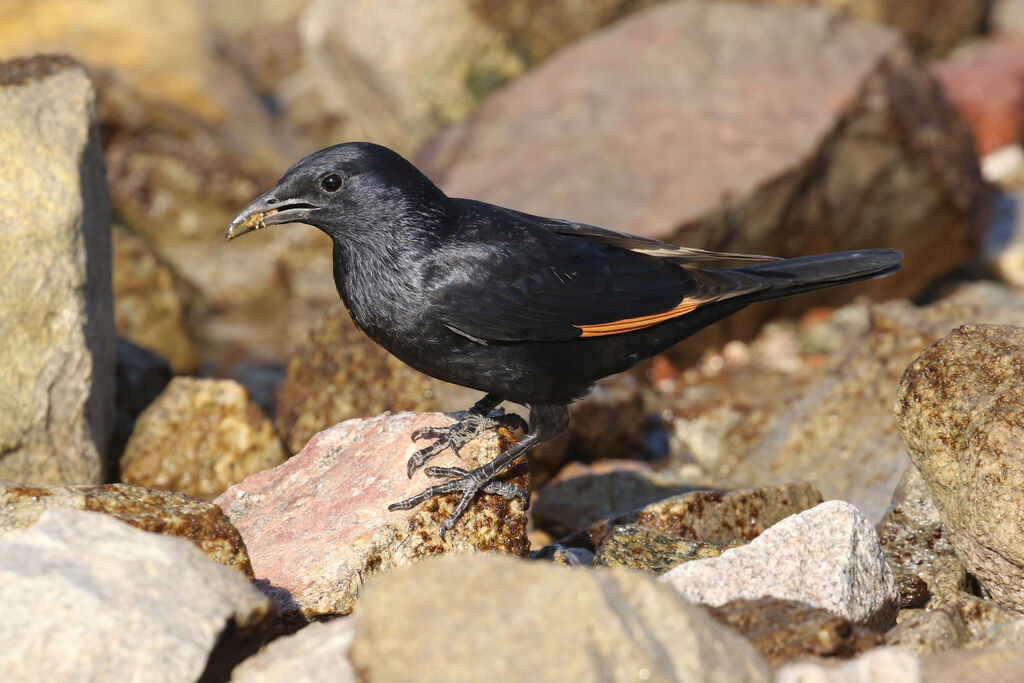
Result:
[
  {"x": 641, "y": 245},
  {"x": 580, "y": 288}
]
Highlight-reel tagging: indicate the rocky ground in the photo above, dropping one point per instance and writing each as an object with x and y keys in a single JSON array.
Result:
[{"x": 197, "y": 447}]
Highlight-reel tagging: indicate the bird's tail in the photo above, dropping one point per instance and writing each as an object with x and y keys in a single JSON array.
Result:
[{"x": 808, "y": 273}]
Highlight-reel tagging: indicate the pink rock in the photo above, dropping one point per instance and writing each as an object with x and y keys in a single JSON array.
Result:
[{"x": 317, "y": 527}]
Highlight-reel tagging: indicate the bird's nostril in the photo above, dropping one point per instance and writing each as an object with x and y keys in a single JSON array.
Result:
[{"x": 272, "y": 200}]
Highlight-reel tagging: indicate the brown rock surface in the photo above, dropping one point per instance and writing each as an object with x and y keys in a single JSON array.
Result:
[
  {"x": 56, "y": 319},
  {"x": 781, "y": 130},
  {"x": 150, "y": 302},
  {"x": 162, "y": 512},
  {"x": 783, "y": 630},
  {"x": 554, "y": 624},
  {"x": 961, "y": 415},
  {"x": 829, "y": 423},
  {"x": 339, "y": 373},
  {"x": 318, "y": 528},
  {"x": 199, "y": 437}
]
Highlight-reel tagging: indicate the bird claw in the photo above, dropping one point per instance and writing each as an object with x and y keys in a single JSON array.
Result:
[
  {"x": 468, "y": 482},
  {"x": 454, "y": 436}
]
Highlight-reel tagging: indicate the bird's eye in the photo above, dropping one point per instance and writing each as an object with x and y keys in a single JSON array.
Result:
[{"x": 331, "y": 183}]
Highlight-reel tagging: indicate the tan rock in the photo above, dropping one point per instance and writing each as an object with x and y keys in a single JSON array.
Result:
[
  {"x": 199, "y": 437},
  {"x": 162, "y": 512},
  {"x": 56, "y": 317}
]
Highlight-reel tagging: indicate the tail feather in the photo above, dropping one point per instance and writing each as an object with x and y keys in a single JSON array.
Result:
[{"x": 808, "y": 273}]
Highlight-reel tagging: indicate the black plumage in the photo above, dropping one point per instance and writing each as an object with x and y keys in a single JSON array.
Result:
[{"x": 527, "y": 309}]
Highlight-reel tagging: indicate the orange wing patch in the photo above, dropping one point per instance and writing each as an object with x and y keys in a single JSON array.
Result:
[{"x": 632, "y": 324}]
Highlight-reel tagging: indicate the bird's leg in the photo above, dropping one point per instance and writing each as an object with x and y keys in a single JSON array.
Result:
[
  {"x": 546, "y": 421},
  {"x": 457, "y": 435}
]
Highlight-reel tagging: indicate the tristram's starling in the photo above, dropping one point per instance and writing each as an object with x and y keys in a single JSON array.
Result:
[{"x": 527, "y": 309}]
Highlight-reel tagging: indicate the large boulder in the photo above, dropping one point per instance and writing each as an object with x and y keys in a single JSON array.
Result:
[
  {"x": 56, "y": 312},
  {"x": 764, "y": 129}
]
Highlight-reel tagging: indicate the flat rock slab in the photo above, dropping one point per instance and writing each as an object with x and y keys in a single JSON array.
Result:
[
  {"x": 87, "y": 597},
  {"x": 961, "y": 415},
  {"x": 317, "y": 527},
  {"x": 828, "y": 556},
  {"x": 490, "y": 617}
]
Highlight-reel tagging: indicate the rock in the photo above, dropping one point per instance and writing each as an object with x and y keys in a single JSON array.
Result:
[
  {"x": 783, "y": 630},
  {"x": 828, "y": 557},
  {"x": 170, "y": 514},
  {"x": 1003, "y": 247},
  {"x": 339, "y": 374},
  {"x": 1007, "y": 16},
  {"x": 140, "y": 376},
  {"x": 200, "y": 437},
  {"x": 829, "y": 423},
  {"x": 980, "y": 614},
  {"x": 121, "y": 604},
  {"x": 880, "y": 664},
  {"x": 574, "y": 503},
  {"x": 56, "y": 320},
  {"x": 933, "y": 28},
  {"x": 916, "y": 545},
  {"x": 631, "y": 546},
  {"x": 912, "y": 589},
  {"x": 150, "y": 302},
  {"x": 318, "y": 528},
  {"x": 987, "y": 86},
  {"x": 999, "y": 664},
  {"x": 734, "y": 127},
  {"x": 1008, "y": 634},
  {"x": 922, "y": 632},
  {"x": 960, "y": 406},
  {"x": 575, "y": 625},
  {"x": 304, "y": 657}
]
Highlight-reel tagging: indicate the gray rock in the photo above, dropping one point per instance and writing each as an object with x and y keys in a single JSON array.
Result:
[
  {"x": 56, "y": 312},
  {"x": 89, "y": 598},
  {"x": 530, "y": 621},
  {"x": 736, "y": 127},
  {"x": 317, "y": 527},
  {"x": 316, "y": 654},
  {"x": 880, "y": 664},
  {"x": 960, "y": 405},
  {"x": 828, "y": 556}
]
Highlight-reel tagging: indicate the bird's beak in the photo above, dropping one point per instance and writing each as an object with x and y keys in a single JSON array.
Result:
[{"x": 266, "y": 210}]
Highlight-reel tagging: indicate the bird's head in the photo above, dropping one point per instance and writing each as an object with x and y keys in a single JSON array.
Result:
[{"x": 341, "y": 190}]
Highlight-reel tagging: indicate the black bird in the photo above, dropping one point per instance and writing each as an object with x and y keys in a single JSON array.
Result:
[{"x": 527, "y": 309}]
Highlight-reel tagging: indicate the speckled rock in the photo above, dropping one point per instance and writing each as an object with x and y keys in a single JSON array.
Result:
[
  {"x": 120, "y": 604},
  {"x": 318, "y": 528},
  {"x": 915, "y": 543},
  {"x": 162, "y": 512},
  {"x": 831, "y": 422},
  {"x": 199, "y": 437},
  {"x": 655, "y": 553},
  {"x": 888, "y": 664},
  {"x": 149, "y": 302},
  {"x": 827, "y": 556},
  {"x": 339, "y": 374},
  {"x": 579, "y": 625},
  {"x": 715, "y": 516},
  {"x": 923, "y": 631},
  {"x": 318, "y": 652},
  {"x": 783, "y": 630},
  {"x": 591, "y": 494},
  {"x": 56, "y": 320},
  {"x": 961, "y": 414},
  {"x": 794, "y": 114},
  {"x": 912, "y": 589}
]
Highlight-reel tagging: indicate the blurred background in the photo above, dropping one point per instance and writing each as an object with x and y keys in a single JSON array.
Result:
[{"x": 779, "y": 127}]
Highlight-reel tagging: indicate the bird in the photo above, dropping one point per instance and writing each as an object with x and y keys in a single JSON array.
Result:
[{"x": 524, "y": 308}]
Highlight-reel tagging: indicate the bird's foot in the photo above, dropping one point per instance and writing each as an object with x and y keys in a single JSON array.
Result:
[
  {"x": 455, "y": 436},
  {"x": 469, "y": 483}
]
